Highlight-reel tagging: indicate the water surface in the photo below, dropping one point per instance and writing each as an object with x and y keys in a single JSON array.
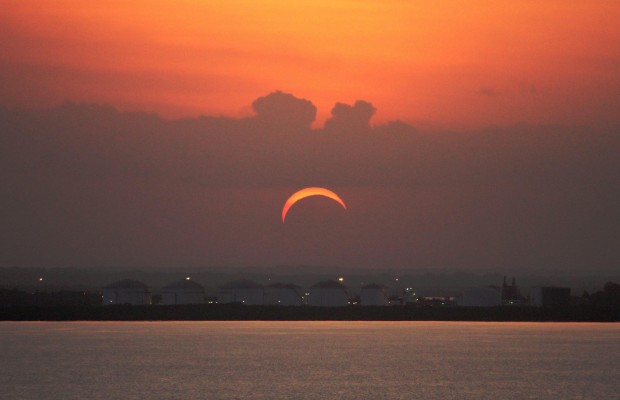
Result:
[{"x": 309, "y": 360}]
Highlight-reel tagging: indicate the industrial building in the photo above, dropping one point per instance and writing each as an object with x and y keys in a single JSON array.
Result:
[
  {"x": 550, "y": 296},
  {"x": 374, "y": 295},
  {"x": 279, "y": 294},
  {"x": 328, "y": 294},
  {"x": 243, "y": 291},
  {"x": 511, "y": 295},
  {"x": 186, "y": 291},
  {"x": 482, "y": 297},
  {"x": 409, "y": 296},
  {"x": 126, "y": 291}
]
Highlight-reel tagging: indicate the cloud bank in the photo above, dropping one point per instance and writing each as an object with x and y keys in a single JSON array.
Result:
[{"x": 89, "y": 185}]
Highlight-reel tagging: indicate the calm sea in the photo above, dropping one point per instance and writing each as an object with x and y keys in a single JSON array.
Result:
[{"x": 309, "y": 360}]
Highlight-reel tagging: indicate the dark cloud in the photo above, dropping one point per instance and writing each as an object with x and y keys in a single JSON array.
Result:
[
  {"x": 88, "y": 185},
  {"x": 351, "y": 118},
  {"x": 284, "y": 110}
]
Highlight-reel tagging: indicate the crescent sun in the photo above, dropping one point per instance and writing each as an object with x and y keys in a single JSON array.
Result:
[{"x": 307, "y": 192}]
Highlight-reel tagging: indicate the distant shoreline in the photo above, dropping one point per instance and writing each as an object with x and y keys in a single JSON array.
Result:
[{"x": 234, "y": 312}]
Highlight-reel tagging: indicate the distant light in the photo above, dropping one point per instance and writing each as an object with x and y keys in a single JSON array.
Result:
[
  {"x": 397, "y": 279},
  {"x": 40, "y": 279},
  {"x": 188, "y": 278},
  {"x": 341, "y": 279}
]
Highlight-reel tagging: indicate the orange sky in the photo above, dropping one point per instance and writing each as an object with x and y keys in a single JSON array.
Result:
[{"x": 449, "y": 63}]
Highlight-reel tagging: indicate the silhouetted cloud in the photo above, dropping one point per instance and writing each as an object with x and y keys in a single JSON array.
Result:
[
  {"x": 397, "y": 127},
  {"x": 351, "y": 118},
  {"x": 284, "y": 110}
]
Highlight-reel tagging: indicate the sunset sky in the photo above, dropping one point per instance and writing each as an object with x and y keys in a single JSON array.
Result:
[
  {"x": 460, "y": 134},
  {"x": 448, "y": 63}
]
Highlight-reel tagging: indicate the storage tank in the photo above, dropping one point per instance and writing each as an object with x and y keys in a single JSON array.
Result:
[
  {"x": 328, "y": 294},
  {"x": 186, "y": 291},
  {"x": 126, "y": 291},
  {"x": 279, "y": 294},
  {"x": 242, "y": 291},
  {"x": 374, "y": 295}
]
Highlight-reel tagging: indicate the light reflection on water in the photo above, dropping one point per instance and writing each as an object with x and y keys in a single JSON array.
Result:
[{"x": 309, "y": 360}]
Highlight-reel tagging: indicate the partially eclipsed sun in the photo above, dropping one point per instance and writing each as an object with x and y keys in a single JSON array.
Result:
[{"x": 307, "y": 192}]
